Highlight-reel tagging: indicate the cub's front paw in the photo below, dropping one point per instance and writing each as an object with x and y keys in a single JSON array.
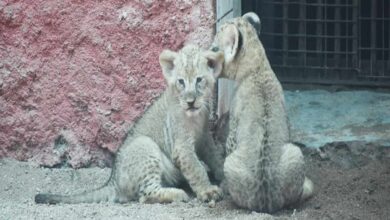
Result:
[{"x": 210, "y": 194}]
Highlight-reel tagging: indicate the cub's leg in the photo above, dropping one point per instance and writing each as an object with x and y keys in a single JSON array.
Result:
[
  {"x": 252, "y": 182},
  {"x": 295, "y": 186},
  {"x": 144, "y": 172},
  {"x": 239, "y": 180},
  {"x": 213, "y": 157},
  {"x": 194, "y": 171}
]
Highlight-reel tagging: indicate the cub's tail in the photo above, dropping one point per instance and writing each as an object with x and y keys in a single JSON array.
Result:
[{"x": 106, "y": 193}]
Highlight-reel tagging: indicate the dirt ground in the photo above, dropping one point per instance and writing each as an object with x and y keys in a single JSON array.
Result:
[{"x": 352, "y": 182}]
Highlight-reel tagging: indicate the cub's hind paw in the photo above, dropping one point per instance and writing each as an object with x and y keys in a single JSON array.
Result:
[
  {"x": 211, "y": 193},
  {"x": 180, "y": 196}
]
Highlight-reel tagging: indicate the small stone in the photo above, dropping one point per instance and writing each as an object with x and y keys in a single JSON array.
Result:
[
  {"x": 323, "y": 155},
  {"x": 211, "y": 204},
  {"x": 369, "y": 191},
  {"x": 317, "y": 206}
]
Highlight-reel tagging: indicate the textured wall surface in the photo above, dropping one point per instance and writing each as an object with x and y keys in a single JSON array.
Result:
[{"x": 74, "y": 75}]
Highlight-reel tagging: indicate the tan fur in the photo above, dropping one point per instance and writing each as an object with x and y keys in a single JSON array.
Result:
[
  {"x": 263, "y": 171},
  {"x": 171, "y": 143}
]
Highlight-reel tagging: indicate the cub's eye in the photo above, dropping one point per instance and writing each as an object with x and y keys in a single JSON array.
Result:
[
  {"x": 215, "y": 49},
  {"x": 181, "y": 81},
  {"x": 199, "y": 79}
]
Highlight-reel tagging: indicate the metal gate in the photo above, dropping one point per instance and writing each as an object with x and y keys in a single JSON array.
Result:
[{"x": 326, "y": 41}]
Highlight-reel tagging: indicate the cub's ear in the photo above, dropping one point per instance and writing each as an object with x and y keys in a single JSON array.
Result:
[
  {"x": 215, "y": 62},
  {"x": 254, "y": 20},
  {"x": 167, "y": 58},
  {"x": 230, "y": 42}
]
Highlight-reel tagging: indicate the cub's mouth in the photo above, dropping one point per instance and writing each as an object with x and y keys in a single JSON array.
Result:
[{"x": 192, "y": 109}]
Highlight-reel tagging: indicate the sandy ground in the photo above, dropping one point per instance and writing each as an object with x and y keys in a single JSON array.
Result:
[{"x": 352, "y": 182}]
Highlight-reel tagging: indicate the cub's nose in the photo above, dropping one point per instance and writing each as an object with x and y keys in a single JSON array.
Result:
[{"x": 191, "y": 103}]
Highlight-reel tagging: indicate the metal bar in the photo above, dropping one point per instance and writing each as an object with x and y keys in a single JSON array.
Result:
[
  {"x": 310, "y": 67},
  {"x": 266, "y": 11},
  {"x": 337, "y": 32},
  {"x": 309, "y": 35},
  {"x": 373, "y": 83},
  {"x": 302, "y": 30},
  {"x": 307, "y": 51},
  {"x": 373, "y": 37},
  {"x": 309, "y": 19},
  {"x": 347, "y": 34},
  {"x": 325, "y": 41},
  {"x": 378, "y": 77},
  {"x": 388, "y": 36},
  {"x": 285, "y": 30},
  {"x": 355, "y": 34},
  {"x": 383, "y": 40},
  {"x": 319, "y": 28},
  {"x": 308, "y": 4},
  {"x": 370, "y": 19},
  {"x": 371, "y": 48}
]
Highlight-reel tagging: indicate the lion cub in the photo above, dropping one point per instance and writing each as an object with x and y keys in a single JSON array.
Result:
[
  {"x": 170, "y": 143},
  {"x": 263, "y": 170}
]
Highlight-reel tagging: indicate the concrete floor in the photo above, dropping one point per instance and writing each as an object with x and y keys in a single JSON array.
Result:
[{"x": 320, "y": 117}]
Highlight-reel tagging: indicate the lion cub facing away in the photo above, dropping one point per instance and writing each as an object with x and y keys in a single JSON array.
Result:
[
  {"x": 170, "y": 143},
  {"x": 263, "y": 170}
]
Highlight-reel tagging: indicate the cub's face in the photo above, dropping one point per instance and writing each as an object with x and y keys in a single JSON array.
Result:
[
  {"x": 233, "y": 39},
  {"x": 191, "y": 74}
]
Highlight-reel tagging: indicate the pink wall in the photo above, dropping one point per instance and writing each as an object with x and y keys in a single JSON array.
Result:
[{"x": 84, "y": 70}]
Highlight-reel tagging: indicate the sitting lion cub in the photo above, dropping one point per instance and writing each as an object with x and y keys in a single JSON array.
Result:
[
  {"x": 170, "y": 143},
  {"x": 263, "y": 171}
]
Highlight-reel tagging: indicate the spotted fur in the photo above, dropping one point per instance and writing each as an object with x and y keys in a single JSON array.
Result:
[
  {"x": 263, "y": 170},
  {"x": 171, "y": 143}
]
